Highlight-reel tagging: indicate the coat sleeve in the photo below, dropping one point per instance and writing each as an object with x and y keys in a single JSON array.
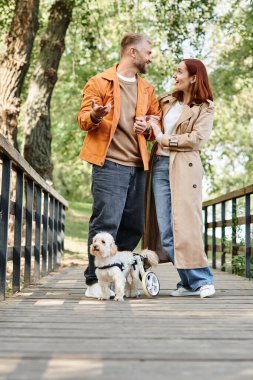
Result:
[
  {"x": 196, "y": 139},
  {"x": 90, "y": 91},
  {"x": 155, "y": 110}
]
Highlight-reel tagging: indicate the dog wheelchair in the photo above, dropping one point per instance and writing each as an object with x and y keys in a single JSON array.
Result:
[{"x": 149, "y": 280}]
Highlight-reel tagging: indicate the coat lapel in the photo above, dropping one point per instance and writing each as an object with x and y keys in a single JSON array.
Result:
[
  {"x": 166, "y": 106},
  {"x": 186, "y": 114}
]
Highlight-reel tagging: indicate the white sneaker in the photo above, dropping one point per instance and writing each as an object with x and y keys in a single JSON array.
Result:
[
  {"x": 183, "y": 292},
  {"x": 94, "y": 291},
  {"x": 207, "y": 291}
]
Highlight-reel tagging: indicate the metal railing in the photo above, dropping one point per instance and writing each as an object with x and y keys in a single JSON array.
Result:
[
  {"x": 229, "y": 217},
  {"x": 34, "y": 214}
]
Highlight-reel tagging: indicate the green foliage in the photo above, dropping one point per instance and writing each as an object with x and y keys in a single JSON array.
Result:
[
  {"x": 229, "y": 155},
  {"x": 6, "y": 13},
  {"x": 77, "y": 219},
  {"x": 238, "y": 265}
]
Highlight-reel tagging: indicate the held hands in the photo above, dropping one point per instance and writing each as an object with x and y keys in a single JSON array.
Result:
[
  {"x": 153, "y": 122},
  {"x": 98, "y": 112},
  {"x": 140, "y": 125},
  {"x": 143, "y": 124}
]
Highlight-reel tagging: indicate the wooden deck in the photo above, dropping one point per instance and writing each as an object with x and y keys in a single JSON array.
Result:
[{"x": 53, "y": 332}]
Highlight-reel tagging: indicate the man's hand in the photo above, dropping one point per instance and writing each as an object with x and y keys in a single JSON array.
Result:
[
  {"x": 140, "y": 125},
  {"x": 98, "y": 112}
]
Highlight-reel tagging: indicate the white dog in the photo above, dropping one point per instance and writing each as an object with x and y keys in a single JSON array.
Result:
[{"x": 117, "y": 267}]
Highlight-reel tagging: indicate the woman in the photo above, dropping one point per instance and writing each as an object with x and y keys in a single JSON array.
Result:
[{"x": 174, "y": 193}]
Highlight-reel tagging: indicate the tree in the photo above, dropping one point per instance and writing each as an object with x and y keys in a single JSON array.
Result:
[
  {"x": 229, "y": 154},
  {"x": 37, "y": 121},
  {"x": 14, "y": 63}
]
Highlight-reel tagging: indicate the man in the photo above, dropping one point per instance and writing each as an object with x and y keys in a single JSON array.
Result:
[{"x": 113, "y": 111}]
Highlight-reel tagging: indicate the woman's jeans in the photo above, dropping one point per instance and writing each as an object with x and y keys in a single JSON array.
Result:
[{"x": 190, "y": 278}]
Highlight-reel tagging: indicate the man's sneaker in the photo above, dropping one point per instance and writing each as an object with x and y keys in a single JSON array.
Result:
[
  {"x": 183, "y": 292},
  {"x": 94, "y": 291},
  {"x": 207, "y": 291}
]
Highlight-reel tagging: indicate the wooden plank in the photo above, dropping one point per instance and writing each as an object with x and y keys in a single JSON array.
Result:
[
  {"x": 240, "y": 221},
  {"x": 226, "y": 197},
  {"x": 86, "y": 367}
]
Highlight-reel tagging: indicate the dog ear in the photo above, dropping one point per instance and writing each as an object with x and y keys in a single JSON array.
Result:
[{"x": 114, "y": 249}]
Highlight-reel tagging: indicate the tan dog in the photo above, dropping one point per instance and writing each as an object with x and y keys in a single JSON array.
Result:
[{"x": 117, "y": 267}]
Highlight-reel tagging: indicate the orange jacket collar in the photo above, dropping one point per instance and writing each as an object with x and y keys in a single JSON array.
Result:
[{"x": 110, "y": 74}]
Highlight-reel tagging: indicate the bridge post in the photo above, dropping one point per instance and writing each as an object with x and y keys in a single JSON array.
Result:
[
  {"x": 247, "y": 236},
  {"x": 4, "y": 223},
  {"x": 18, "y": 231},
  {"x": 37, "y": 235}
]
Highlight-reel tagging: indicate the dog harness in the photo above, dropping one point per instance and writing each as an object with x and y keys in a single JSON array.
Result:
[{"x": 121, "y": 266}]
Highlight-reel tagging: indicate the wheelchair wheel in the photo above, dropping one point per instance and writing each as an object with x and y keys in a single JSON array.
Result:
[{"x": 150, "y": 284}]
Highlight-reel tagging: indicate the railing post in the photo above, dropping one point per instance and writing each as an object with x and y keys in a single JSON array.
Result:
[
  {"x": 234, "y": 227},
  {"x": 63, "y": 227},
  {"x": 37, "y": 235},
  {"x": 29, "y": 220},
  {"x": 59, "y": 239},
  {"x": 214, "y": 236},
  {"x": 51, "y": 234},
  {"x": 223, "y": 236},
  {"x": 4, "y": 222},
  {"x": 55, "y": 245},
  {"x": 18, "y": 231},
  {"x": 44, "y": 250},
  {"x": 247, "y": 236},
  {"x": 205, "y": 230}
]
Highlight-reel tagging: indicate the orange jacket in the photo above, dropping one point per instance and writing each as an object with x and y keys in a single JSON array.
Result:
[{"x": 104, "y": 88}]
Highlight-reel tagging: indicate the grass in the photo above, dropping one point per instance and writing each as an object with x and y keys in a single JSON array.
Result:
[{"x": 77, "y": 219}]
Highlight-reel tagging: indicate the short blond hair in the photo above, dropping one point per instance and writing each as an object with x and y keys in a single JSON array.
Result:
[{"x": 131, "y": 39}]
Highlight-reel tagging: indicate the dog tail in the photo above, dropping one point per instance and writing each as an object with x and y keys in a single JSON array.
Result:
[{"x": 150, "y": 258}]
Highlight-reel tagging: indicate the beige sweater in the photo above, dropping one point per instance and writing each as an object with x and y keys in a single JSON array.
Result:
[{"x": 124, "y": 147}]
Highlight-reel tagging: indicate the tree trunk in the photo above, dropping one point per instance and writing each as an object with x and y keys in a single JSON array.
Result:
[
  {"x": 37, "y": 123},
  {"x": 14, "y": 64}
]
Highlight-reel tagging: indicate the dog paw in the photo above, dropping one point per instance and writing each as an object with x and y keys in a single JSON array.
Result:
[{"x": 118, "y": 298}]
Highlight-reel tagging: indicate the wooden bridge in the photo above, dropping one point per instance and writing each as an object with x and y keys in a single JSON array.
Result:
[
  {"x": 52, "y": 331},
  {"x": 49, "y": 330}
]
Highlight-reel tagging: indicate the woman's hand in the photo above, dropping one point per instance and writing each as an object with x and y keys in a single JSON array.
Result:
[{"x": 153, "y": 122}]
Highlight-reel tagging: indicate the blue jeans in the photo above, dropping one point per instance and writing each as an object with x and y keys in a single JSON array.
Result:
[
  {"x": 118, "y": 207},
  {"x": 190, "y": 278}
]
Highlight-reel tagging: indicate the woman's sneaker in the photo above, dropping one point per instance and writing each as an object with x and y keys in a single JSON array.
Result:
[
  {"x": 207, "y": 291},
  {"x": 183, "y": 292}
]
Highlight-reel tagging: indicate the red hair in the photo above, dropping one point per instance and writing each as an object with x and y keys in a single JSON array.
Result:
[{"x": 201, "y": 89}]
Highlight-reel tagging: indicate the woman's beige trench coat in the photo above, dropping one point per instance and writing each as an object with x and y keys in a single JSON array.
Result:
[{"x": 192, "y": 132}]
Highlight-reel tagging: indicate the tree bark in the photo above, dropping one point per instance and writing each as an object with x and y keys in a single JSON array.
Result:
[
  {"x": 14, "y": 64},
  {"x": 37, "y": 122}
]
